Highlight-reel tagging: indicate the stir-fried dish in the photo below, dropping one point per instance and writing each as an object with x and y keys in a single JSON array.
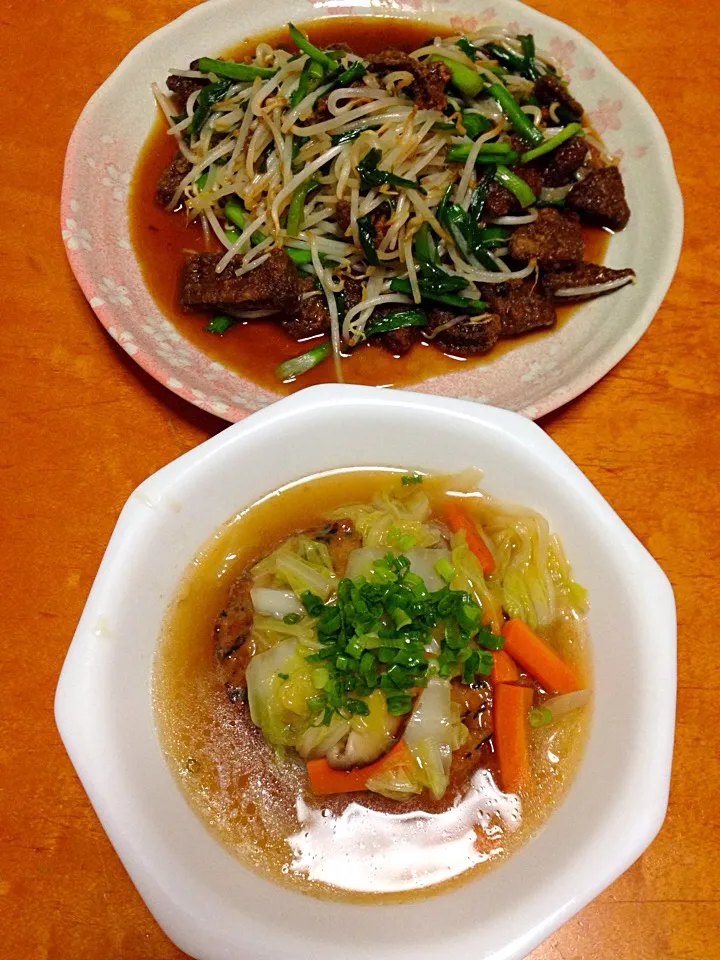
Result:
[
  {"x": 436, "y": 196},
  {"x": 413, "y": 647}
]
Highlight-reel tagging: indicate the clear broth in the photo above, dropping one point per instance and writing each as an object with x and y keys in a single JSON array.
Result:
[
  {"x": 259, "y": 805},
  {"x": 254, "y": 349}
]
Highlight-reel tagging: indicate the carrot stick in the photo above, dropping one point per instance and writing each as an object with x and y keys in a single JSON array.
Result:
[
  {"x": 325, "y": 779},
  {"x": 511, "y": 704},
  {"x": 459, "y": 520},
  {"x": 540, "y": 660},
  {"x": 504, "y": 669}
]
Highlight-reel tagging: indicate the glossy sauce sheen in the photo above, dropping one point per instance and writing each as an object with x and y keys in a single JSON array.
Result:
[
  {"x": 260, "y": 807},
  {"x": 161, "y": 241}
]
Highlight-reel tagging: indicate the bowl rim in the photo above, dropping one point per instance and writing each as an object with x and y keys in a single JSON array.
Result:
[
  {"x": 80, "y": 668},
  {"x": 586, "y": 377}
]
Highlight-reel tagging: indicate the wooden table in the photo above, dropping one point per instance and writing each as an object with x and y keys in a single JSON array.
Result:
[{"x": 82, "y": 425}]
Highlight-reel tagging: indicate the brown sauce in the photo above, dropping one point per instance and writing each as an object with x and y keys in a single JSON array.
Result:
[
  {"x": 253, "y": 349},
  {"x": 258, "y": 805}
]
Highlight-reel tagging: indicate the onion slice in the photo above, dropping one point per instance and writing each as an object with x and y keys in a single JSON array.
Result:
[
  {"x": 275, "y": 603},
  {"x": 566, "y": 703}
]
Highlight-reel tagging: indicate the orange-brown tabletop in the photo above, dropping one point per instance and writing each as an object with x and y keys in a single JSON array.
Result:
[{"x": 82, "y": 426}]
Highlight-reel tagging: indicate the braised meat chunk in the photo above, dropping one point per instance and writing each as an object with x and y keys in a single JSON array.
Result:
[
  {"x": 312, "y": 316},
  {"x": 234, "y": 622},
  {"x": 171, "y": 178},
  {"x": 182, "y": 87},
  {"x": 572, "y": 284},
  {"x": 341, "y": 538},
  {"x": 600, "y": 199},
  {"x": 428, "y": 87},
  {"x": 520, "y": 305},
  {"x": 548, "y": 90},
  {"x": 271, "y": 286},
  {"x": 398, "y": 342},
  {"x": 560, "y": 166},
  {"x": 342, "y": 215},
  {"x": 468, "y": 337},
  {"x": 554, "y": 238}
]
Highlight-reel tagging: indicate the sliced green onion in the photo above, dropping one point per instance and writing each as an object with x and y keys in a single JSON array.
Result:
[
  {"x": 354, "y": 72},
  {"x": 320, "y": 677},
  {"x": 527, "y": 42},
  {"x": 445, "y": 570},
  {"x": 516, "y": 185},
  {"x": 463, "y": 78},
  {"x": 489, "y": 237},
  {"x": 296, "y": 366},
  {"x": 401, "y": 285},
  {"x": 370, "y": 176},
  {"x": 244, "y": 72},
  {"x": 410, "y": 478},
  {"x": 489, "y": 153},
  {"x": 311, "y": 77},
  {"x": 475, "y": 124},
  {"x": 220, "y": 324},
  {"x": 296, "y": 210},
  {"x": 202, "y": 179},
  {"x": 302, "y": 43},
  {"x": 467, "y": 48},
  {"x": 211, "y": 94},
  {"x": 366, "y": 232},
  {"x": 510, "y": 107},
  {"x": 395, "y": 321},
  {"x": 347, "y": 135},
  {"x": 511, "y": 61},
  {"x": 458, "y": 223},
  {"x": 539, "y": 717},
  {"x": 424, "y": 246},
  {"x": 398, "y": 704},
  {"x": 571, "y": 130},
  {"x": 291, "y": 618},
  {"x": 443, "y": 205},
  {"x": 235, "y": 213}
]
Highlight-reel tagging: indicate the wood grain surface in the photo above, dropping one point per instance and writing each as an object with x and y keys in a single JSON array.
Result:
[{"x": 82, "y": 425}]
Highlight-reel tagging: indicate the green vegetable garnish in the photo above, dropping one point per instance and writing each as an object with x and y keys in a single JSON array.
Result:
[
  {"x": 370, "y": 176},
  {"x": 529, "y": 69},
  {"x": 220, "y": 324},
  {"x": 410, "y": 478},
  {"x": 211, "y": 94},
  {"x": 310, "y": 79},
  {"x": 515, "y": 184},
  {"x": 236, "y": 213},
  {"x": 475, "y": 124},
  {"x": 366, "y": 232},
  {"x": 374, "y": 637},
  {"x": 290, "y": 369},
  {"x": 467, "y": 48},
  {"x": 463, "y": 78},
  {"x": 489, "y": 153},
  {"x": 303, "y": 43},
  {"x": 396, "y": 321},
  {"x": 571, "y": 130},
  {"x": 510, "y": 107},
  {"x": 539, "y": 717},
  {"x": 401, "y": 285},
  {"x": 291, "y": 618},
  {"x": 445, "y": 570},
  {"x": 243, "y": 72},
  {"x": 296, "y": 211}
]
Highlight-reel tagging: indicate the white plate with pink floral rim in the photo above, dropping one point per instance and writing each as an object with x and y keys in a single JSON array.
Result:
[{"x": 533, "y": 378}]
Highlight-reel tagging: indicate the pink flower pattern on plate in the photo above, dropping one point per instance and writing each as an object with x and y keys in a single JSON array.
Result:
[
  {"x": 563, "y": 51},
  {"x": 606, "y": 115}
]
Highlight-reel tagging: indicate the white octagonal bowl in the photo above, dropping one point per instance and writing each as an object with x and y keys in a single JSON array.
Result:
[{"x": 206, "y": 901}]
